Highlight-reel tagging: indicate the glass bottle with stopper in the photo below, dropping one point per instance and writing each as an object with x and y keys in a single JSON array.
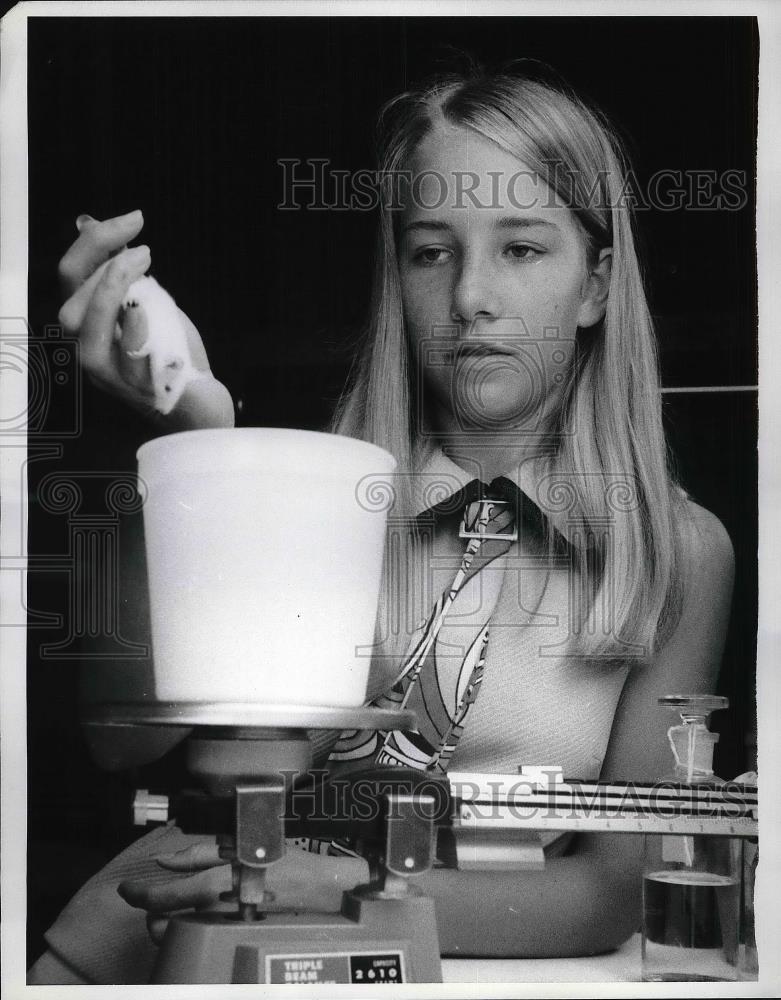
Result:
[
  {"x": 691, "y": 742},
  {"x": 691, "y": 883}
]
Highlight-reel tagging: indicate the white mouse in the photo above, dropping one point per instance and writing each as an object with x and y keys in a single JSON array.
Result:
[{"x": 166, "y": 345}]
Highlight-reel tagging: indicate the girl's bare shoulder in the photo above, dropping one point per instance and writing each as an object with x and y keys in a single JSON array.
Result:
[{"x": 705, "y": 545}]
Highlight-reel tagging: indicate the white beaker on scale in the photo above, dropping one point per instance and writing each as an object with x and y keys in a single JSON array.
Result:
[{"x": 264, "y": 564}]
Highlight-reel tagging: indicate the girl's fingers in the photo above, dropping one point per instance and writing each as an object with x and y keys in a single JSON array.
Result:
[
  {"x": 204, "y": 403},
  {"x": 100, "y": 318},
  {"x": 202, "y": 889},
  {"x": 97, "y": 272},
  {"x": 135, "y": 333},
  {"x": 72, "y": 313},
  {"x": 196, "y": 858},
  {"x": 96, "y": 243},
  {"x": 157, "y": 925}
]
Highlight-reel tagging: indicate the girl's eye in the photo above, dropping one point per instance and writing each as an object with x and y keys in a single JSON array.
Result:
[
  {"x": 522, "y": 251},
  {"x": 429, "y": 256}
]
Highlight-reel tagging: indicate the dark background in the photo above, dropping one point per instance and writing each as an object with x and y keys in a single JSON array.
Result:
[{"x": 185, "y": 118}]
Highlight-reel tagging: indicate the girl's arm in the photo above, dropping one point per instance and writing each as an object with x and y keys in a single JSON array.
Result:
[{"x": 589, "y": 901}]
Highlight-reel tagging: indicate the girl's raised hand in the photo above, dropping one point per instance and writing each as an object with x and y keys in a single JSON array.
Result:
[{"x": 95, "y": 275}]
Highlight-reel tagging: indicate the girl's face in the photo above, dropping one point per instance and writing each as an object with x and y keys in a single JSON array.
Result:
[{"x": 495, "y": 283}]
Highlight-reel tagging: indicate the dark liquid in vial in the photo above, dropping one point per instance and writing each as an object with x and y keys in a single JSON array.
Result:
[
  {"x": 683, "y": 908},
  {"x": 690, "y": 926}
]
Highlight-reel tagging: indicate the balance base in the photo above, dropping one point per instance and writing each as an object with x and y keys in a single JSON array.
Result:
[{"x": 370, "y": 941}]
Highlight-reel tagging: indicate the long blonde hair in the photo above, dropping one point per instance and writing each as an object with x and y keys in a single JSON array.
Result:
[{"x": 610, "y": 465}]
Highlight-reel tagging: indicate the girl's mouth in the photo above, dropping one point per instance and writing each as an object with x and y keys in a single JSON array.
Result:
[{"x": 482, "y": 350}]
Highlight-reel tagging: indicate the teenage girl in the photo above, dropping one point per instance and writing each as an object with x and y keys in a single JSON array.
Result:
[{"x": 506, "y": 246}]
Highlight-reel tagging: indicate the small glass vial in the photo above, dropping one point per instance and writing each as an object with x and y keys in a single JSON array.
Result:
[
  {"x": 691, "y": 883},
  {"x": 691, "y": 742}
]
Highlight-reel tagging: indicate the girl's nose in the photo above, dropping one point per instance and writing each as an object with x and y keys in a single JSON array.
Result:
[{"x": 475, "y": 294}]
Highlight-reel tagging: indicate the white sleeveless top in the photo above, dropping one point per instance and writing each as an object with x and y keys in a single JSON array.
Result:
[{"x": 537, "y": 705}]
